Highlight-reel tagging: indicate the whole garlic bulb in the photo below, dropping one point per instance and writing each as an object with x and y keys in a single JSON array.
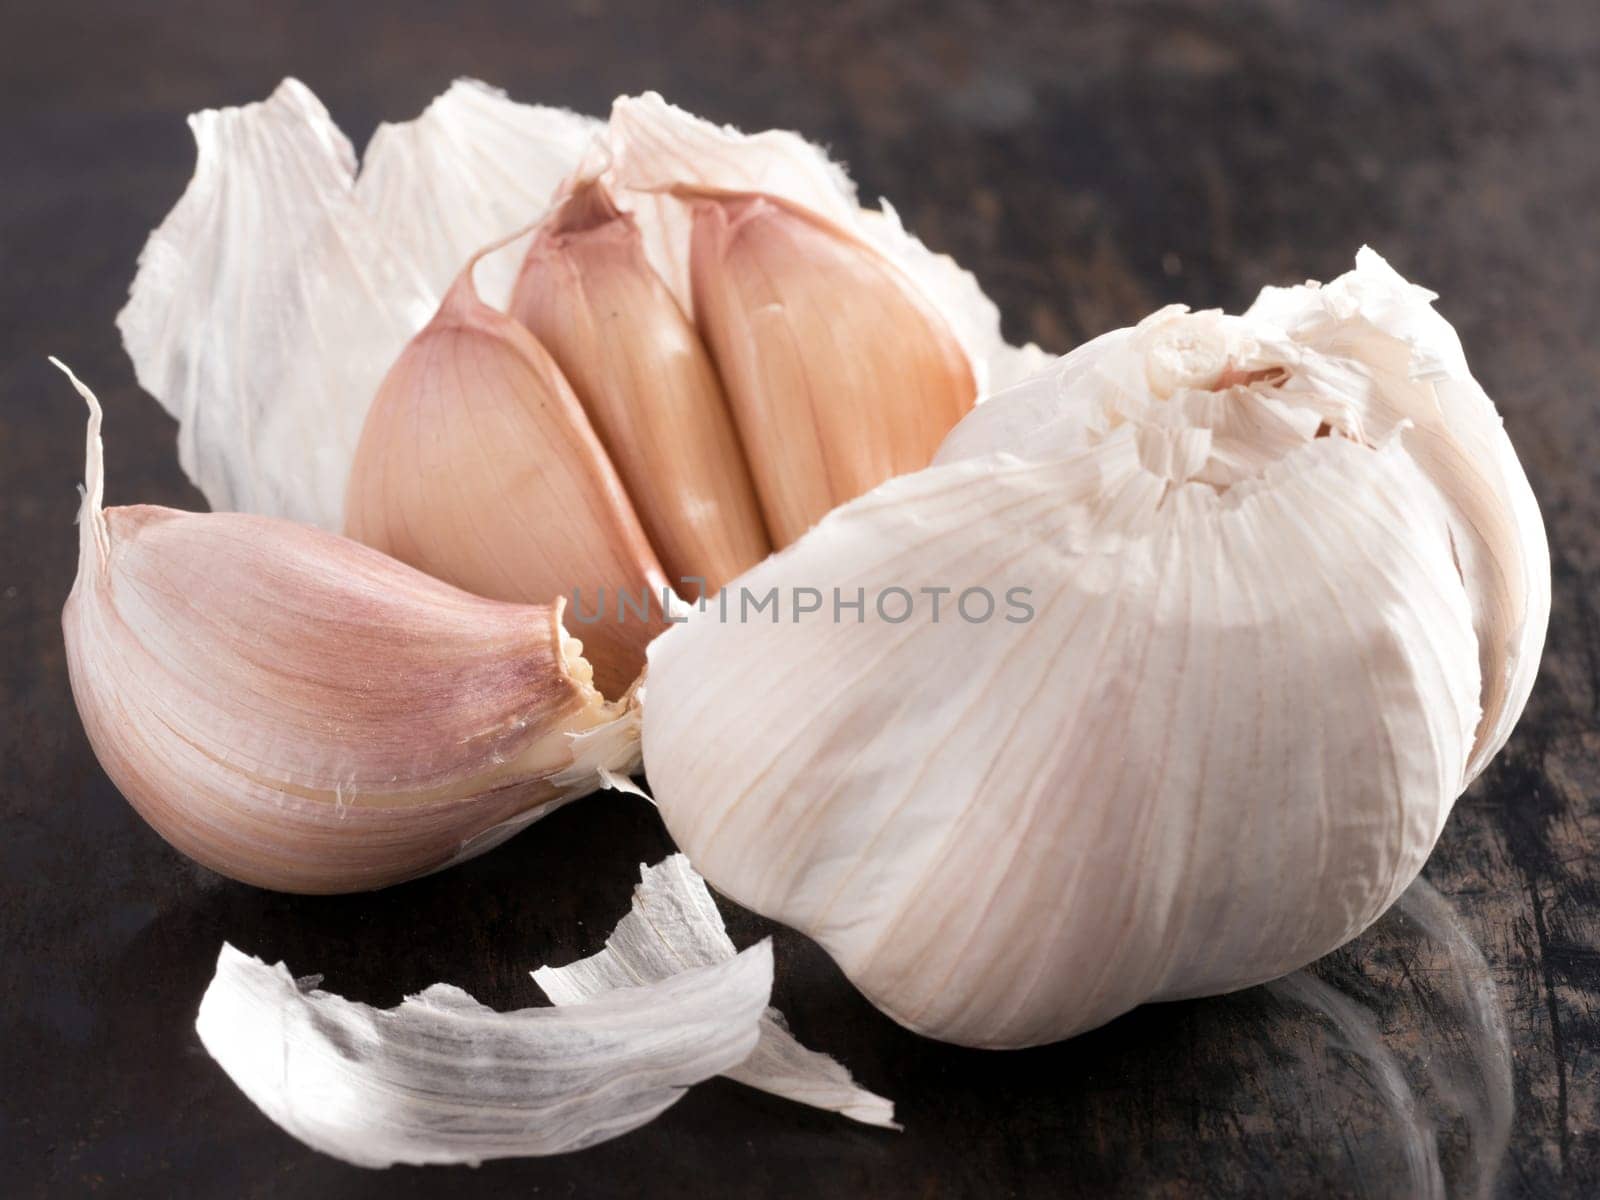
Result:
[{"x": 1265, "y": 593}]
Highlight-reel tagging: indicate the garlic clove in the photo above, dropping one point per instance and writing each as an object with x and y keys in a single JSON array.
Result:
[
  {"x": 473, "y": 167},
  {"x": 440, "y": 1078},
  {"x": 300, "y": 712},
  {"x": 638, "y": 366},
  {"x": 656, "y": 147},
  {"x": 478, "y": 466},
  {"x": 674, "y": 926},
  {"x": 839, "y": 375},
  {"x": 1217, "y": 738},
  {"x": 267, "y": 308}
]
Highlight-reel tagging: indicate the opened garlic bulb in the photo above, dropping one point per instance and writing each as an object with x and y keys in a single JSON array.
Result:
[
  {"x": 1233, "y": 608},
  {"x": 297, "y": 315},
  {"x": 297, "y": 711}
]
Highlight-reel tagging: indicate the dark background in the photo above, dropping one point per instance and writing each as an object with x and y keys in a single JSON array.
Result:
[{"x": 1089, "y": 162}]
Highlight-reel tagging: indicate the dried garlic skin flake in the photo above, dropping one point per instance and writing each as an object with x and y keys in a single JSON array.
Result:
[
  {"x": 267, "y": 308},
  {"x": 443, "y": 1079},
  {"x": 297, "y": 711},
  {"x": 1286, "y": 583},
  {"x": 674, "y": 926}
]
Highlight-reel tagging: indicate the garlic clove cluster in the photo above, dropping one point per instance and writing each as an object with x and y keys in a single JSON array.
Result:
[
  {"x": 328, "y": 360},
  {"x": 1228, "y": 606},
  {"x": 301, "y": 712},
  {"x": 478, "y": 466},
  {"x": 590, "y": 296},
  {"x": 274, "y": 298}
]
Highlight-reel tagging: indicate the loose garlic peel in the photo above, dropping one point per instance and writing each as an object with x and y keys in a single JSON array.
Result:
[
  {"x": 300, "y": 712},
  {"x": 443, "y": 1079},
  {"x": 674, "y": 926},
  {"x": 1289, "y": 585}
]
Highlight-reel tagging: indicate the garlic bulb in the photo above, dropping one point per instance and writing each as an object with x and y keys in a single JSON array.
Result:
[
  {"x": 1233, "y": 609},
  {"x": 478, "y": 466},
  {"x": 288, "y": 288},
  {"x": 300, "y": 712},
  {"x": 591, "y": 297}
]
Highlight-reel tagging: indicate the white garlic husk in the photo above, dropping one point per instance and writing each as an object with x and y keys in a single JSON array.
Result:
[{"x": 1267, "y": 593}]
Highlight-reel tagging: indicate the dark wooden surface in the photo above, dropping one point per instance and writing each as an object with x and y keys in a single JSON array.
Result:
[{"x": 1090, "y": 162}]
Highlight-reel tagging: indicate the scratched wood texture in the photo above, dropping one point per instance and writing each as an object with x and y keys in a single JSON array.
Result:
[{"x": 1090, "y": 162}]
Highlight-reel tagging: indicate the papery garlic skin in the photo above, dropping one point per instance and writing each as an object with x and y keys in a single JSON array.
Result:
[
  {"x": 674, "y": 926},
  {"x": 590, "y": 296},
  {"x": 840, "y": 376},
  {"x": 1225, "y": 741},
  {"x": 478, "y": 465},
  {"x": 472, "y": 167},
  {"x": 267, "y": 308},
  {"x": 278, "y": 291},
  {"x": 299, "y": 712},
  {"x": 440, "y": 1078}
]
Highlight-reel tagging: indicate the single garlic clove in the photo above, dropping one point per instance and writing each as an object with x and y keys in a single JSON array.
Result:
[
  {"x": 840, "y": 376},
  {"x": 297, "y": 711},
  {"x": 637, "y": 365},
  {"x": 1213, "y": 737},
  {"x": 478, "y": 466}
]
